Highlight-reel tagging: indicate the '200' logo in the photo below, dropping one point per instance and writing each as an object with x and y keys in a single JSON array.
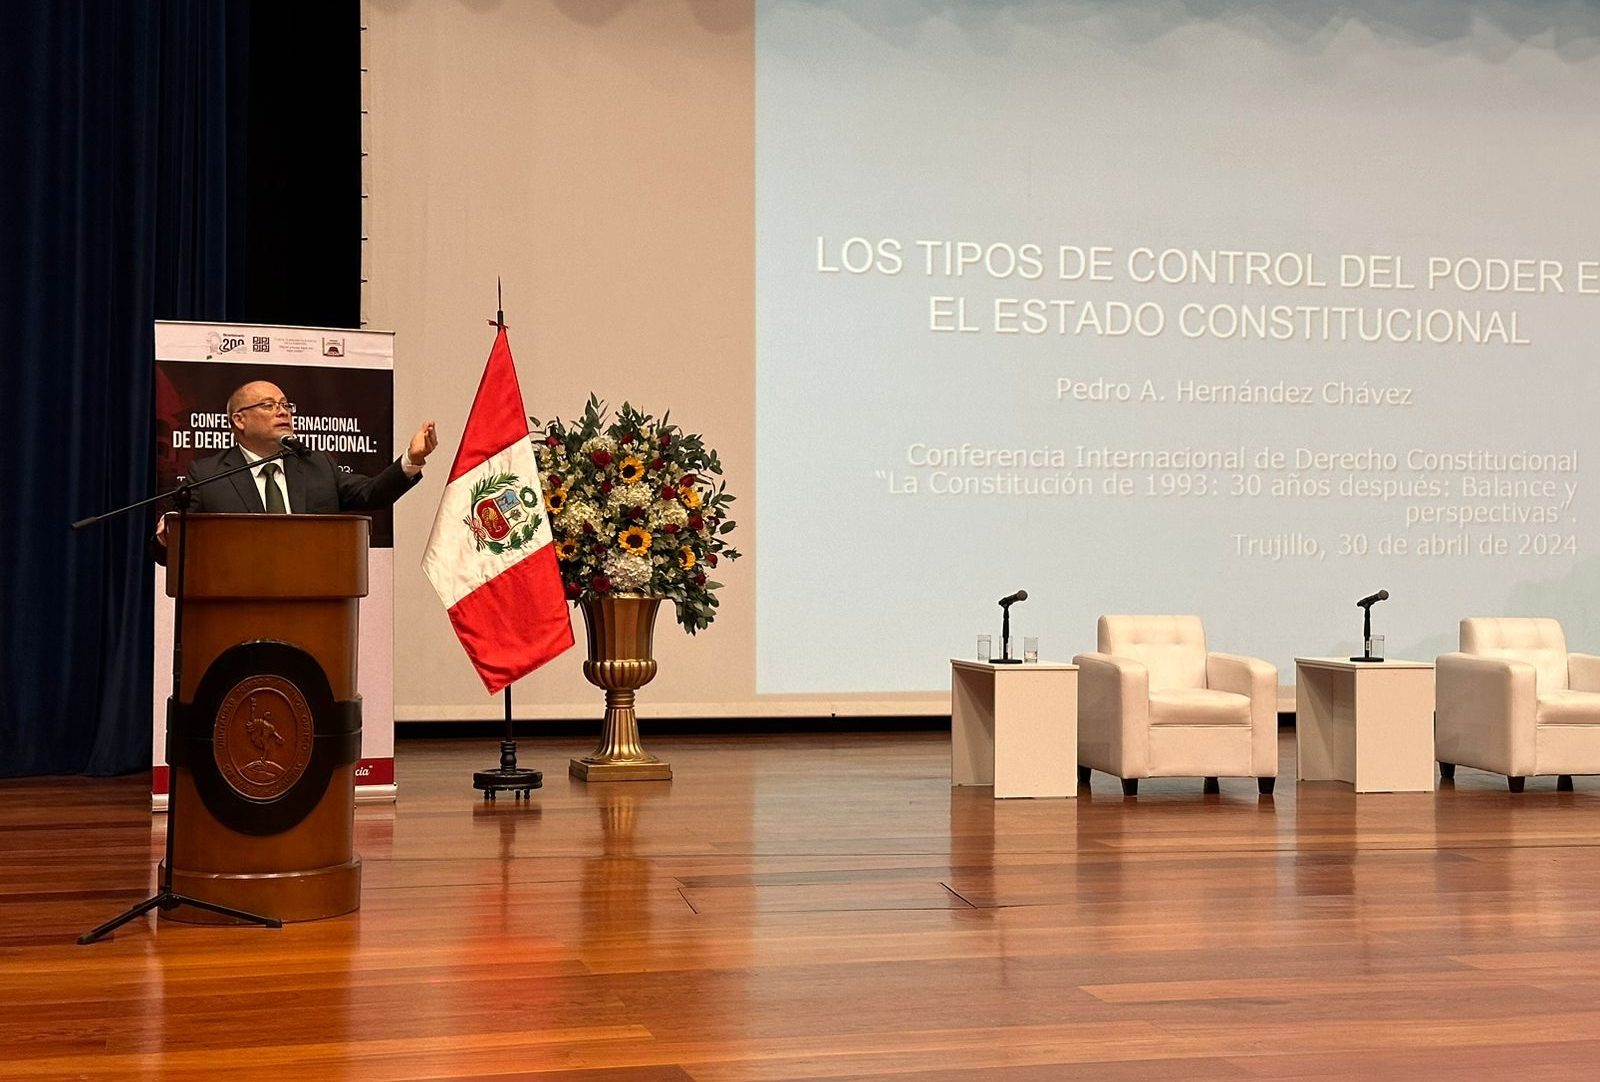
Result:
[{"x": 224, "y": 343}]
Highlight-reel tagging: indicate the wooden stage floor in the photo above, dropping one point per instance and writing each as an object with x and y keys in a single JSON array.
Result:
[{"x": 826, "y": 907}]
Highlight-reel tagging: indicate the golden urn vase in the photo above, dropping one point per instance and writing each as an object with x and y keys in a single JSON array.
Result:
[{"x": 621, "y": 631}]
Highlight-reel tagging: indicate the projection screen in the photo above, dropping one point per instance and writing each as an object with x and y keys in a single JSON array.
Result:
[{"x": 1246, "y": 310}]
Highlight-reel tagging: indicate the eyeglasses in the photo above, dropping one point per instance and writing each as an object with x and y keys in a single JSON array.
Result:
[{"x": 271, "y": 405}]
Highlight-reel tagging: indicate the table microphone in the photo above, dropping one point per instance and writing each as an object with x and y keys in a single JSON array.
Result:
[
  {"x": 1365, "y": 605},
  {"x": 1005, "y": 657}
]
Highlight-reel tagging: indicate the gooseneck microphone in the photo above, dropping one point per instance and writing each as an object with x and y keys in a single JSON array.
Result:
[
  {"x": 294, "y": 446},
  {"x": 1365, "y": 605},
  {"x": 1005, "y": 657}
]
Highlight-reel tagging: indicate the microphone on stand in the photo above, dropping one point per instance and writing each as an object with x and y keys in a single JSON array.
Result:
[
  {"x": 1005, "y": 657},
  {"x": 1365, "y": 605},
  {"x": 293, "y": 446}
]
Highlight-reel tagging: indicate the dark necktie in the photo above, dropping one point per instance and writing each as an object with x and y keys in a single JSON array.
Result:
[{"x": 275, "y": 505}]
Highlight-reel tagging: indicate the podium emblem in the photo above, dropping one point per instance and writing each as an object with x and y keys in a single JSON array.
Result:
[{"x": 262, "y": 738}]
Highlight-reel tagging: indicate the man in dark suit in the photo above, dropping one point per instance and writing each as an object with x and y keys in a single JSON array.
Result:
[{"x": 313, "y": 485}]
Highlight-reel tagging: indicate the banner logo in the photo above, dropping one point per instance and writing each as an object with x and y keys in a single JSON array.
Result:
[{"x": 219, "y": 344}]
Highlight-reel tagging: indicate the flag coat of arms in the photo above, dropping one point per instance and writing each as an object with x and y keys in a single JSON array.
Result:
[{"x": 491, "y": 556}]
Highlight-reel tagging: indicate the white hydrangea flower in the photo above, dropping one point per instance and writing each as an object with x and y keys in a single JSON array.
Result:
[
  {"x": 600, "y": 443},
  {"x": 666, "y": 513},
  {"x": 634, "y": 495},
  {"x": 627, "y": 571},
  {"x": 576, "y": 515}
]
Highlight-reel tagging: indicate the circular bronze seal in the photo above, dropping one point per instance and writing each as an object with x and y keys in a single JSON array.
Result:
[{"x": 262, "y": 738}]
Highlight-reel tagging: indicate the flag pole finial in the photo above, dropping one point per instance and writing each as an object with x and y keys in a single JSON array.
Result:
[{"x": 499, "y": 319}]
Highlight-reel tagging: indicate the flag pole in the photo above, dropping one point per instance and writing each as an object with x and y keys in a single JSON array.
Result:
[
  {"x": 520, "y": 781},
  {"x": 508, "y": 776}
]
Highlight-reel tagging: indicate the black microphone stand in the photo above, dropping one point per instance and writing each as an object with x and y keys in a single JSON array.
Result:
[
  {"x": 165, "y": 897},
  {"x": 1366, "y": 634},
  {"x": 1005, "y": 657}
]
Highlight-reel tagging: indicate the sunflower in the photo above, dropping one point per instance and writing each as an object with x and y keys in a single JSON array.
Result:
[
  {"x": 634, "y": 539},
  {"x": 686, "y": 557},
  {"x": 631, "y": 469},
  {"x": 555, "y": 500},
  {"x": 691, "y": 498},
  {"x": 567, "y": 550}
]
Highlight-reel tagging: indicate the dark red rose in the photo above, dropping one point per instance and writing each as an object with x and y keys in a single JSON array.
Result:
[
  {"x": 665, "y": 439},
  {"x": 659, "y": 464},
  {"x": 671, "y": 527},
  {"x": 699, "y": 579},
  {"x": 551, "y": 441},
  {"x": 696, "y": 522},
  {"x": 601, "y": 458},
  {"x": 588, "y": 527},
  {"x": 711, "y": 558},
  {"x": 555, "y": 480},
  {"x": 636, "y": 513},
  {"x": 627, "y": 438},
  {"x": 573, "y": 590},
  {"x": 668, "y": 492},
  {"x": 687, "y": 479},
  {"x": 597, "y": 549},
  {"x": 605, "y": 487},
  {"x": 601, "y": 584}
]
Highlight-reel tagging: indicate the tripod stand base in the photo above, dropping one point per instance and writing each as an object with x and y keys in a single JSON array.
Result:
[
  {"x": 516, "y": 780},
  {"x": 168, "y": 901},
  {"x": 308, "y": 895}
]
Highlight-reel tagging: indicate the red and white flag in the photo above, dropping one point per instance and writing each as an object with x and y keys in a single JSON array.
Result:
[{"x": 491, "y": 557}]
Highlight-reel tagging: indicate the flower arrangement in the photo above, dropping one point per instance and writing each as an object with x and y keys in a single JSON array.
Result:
[{"x": 636, "y": 506}]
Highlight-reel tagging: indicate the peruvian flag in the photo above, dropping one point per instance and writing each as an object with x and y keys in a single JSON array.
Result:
[{"x": 491, "y": 557}]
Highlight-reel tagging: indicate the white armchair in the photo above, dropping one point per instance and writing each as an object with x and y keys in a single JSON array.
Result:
[
  {"x": 1514, "y": 702},
  {"x": 1152, "y": 703}
]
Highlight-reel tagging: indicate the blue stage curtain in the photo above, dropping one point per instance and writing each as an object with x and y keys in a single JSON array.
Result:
[{"x": 125, "y": 142}]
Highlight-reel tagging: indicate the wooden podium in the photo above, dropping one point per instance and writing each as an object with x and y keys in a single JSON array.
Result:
[{"x": 264, "y": 734}]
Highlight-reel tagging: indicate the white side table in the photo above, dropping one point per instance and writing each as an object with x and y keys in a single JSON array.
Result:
[
  {"x": 1015, "y": 727},
  {"x": 1367, "y": 723}
]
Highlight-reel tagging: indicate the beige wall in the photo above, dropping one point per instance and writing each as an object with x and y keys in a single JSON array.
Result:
[{"x": 598, "y": 155}]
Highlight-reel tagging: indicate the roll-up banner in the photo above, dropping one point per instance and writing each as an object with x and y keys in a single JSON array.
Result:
[{"x": 342, "y": 385}]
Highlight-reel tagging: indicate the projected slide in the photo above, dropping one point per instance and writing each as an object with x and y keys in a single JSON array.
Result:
[{"x": 1245, "y": 310}]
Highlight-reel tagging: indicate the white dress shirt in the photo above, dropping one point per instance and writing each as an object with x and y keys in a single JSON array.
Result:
[{"x": 261, "y": 482}]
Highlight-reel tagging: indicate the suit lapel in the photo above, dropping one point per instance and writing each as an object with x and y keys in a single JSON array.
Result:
[
  {"x": 294, "y": 477},
  {"x": 244, "y": 484}
]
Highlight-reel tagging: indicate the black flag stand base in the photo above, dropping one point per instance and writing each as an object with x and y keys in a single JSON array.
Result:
[{"x": 508, "y": 776}]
